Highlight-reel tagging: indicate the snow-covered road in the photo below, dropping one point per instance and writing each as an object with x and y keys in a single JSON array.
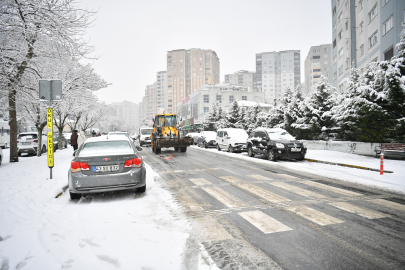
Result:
[{"x": 120, "y": 230}]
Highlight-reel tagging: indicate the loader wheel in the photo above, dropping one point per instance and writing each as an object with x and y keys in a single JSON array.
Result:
[
  {"x": 183, "y": 149},
  {"x": 158, "y": 150}
]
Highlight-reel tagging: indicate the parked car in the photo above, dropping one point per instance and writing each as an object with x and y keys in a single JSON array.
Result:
[
  {"x": 67, "y": 135},
  {"x": 275, "y": 143},
  {"x": 232, "y": 139},
  {"x": 56, "y": 141},
  {"x": 27, "y": 142},
  {"x": 194, "y": 135},
  {"x": 207, "y": 139},
  {"x": 144, "y": 135},
  {"x": 106, "y": 163},
  {"x": 1, "y": 156}
]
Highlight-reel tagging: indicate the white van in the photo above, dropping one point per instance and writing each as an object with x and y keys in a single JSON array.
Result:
[
  {"x": 144, "y": 135},
  {"x": 232, "y": 139},
  {"x": 4, "y": 134}
]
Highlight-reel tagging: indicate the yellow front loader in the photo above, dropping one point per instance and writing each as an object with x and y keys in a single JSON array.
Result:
[{"x": 165, "y": 133}]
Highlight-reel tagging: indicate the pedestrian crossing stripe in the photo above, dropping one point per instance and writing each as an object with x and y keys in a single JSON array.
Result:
[
  {"x": 224, "y": 197},
  {"x": 264, "y": 194},
  {"x": 287, "y": 176},
  {"x": 231, "y": 179},
  {"x": 389, "y": 204},
  {"x": 297, "y": 190},
  {"x": 314, "y": 215},
  {"x": 200, "y": 181},
  {"x": 260, "y": 177},
  {"x": 211, "y": 230},
  {"x": 370, "y": 214},
  {"x": 263, "y": 222},
  {"x": 333, "y": 189}
]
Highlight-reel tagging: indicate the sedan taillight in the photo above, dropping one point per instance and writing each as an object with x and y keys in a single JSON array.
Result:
[
  {"x": 79, "y": 166},
  {"x": 133, "y": 163},
  {"x": 36, "y": 141}
]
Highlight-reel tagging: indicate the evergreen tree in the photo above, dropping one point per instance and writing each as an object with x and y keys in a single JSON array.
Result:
[{"x": 233, "y": 116}]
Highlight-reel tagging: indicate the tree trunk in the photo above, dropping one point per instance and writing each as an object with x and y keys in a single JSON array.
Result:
[{"x": 13, "y": 125}]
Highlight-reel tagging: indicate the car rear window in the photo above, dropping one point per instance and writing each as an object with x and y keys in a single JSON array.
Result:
[
  {"x": 106, "y": 147},
  {"x": 146, "y": 131},
  {"x": 28, "y": 136}
]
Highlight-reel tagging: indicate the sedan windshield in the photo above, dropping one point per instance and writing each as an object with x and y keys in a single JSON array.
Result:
[
  {"x": 146, "y": 131},
  {"x": 28, "y": 136},
  {"x": 283, "y": 136},
  {"x": 106, "y": 147}
]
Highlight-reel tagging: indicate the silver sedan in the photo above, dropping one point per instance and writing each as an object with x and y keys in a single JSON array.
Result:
[{"x": 106, "y": 163}]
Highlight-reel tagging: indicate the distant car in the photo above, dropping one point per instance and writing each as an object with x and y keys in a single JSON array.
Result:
[
  {"x": 194, "y": 135},
  {"x": 207, "y": 139},
  {"x": 27, "y": 142},
  {"x": 1, "y": 156},
  {"x": 144, "y": 135},
  {"x": 56, "y": 141},
  {"x": 232, "y": 139},
  {"x": 275, "y": 143},
  {"x": 106, "y": 163}
]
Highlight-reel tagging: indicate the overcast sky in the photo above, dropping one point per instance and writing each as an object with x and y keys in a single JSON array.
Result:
[{"x": 132, "y": 37}]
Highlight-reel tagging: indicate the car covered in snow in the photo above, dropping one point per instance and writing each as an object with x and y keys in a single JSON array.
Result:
[
  {"x": 194, "y": 135},
  {"x": 275, "y": 143},
  {"x": 28, "y": 143},
  {"x": 231, "y": 139},
  {"x": 106, "y": 163},
  {"x": 207, "y": 139}
]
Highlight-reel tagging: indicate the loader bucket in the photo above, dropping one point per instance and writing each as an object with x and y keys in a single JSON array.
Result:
[{"x": 174, "y": 142}]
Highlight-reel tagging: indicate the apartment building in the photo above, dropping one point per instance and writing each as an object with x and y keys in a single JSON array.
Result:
[
  {"x": 187, "y": 71},
  {"x": 275, "y": 71},
  {"x": 242, "y": 78},
  {"x": 149, "y": 104},
  {"x": 200, "y": 102},
  {"x": 364, "y": 31},
  {"x": 161, "y": 90},
  {"x": 318, "y": 62},
  {"x": 128, "y": 112}
]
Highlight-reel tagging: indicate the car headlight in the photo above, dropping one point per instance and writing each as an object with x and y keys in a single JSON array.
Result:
[{"x": 280, "y": 145}]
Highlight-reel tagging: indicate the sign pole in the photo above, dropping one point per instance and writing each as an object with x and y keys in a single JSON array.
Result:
[{"x": 50, "y": 133}]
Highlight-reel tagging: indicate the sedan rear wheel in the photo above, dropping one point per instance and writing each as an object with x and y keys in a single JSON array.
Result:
[
  {"x": 141, "y": 189},
  {"x": 271, "y": 155}
]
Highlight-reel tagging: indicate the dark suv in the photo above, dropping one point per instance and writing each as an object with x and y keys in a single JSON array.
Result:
[{"x": 275, "y": 143}]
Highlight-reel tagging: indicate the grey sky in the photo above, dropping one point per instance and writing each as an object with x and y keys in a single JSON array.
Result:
[{"x": 132, "y": 37}]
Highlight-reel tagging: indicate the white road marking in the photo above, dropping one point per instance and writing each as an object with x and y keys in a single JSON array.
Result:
[
  {"x": 200, "y": 181},
  {"x": 370, "y": 214},
  {"x": 265, "y": 194},
  {"x": 231, "y": 179},
  {"x": 263, "y": 222},
  {"x": 333, "y": 189},
  {"x": 211, "y": 230},
  {"x": 297, "y": 190},
  {"x": 314, "y": 215},
  {"x": 389, "y": 204},
  {"x": 224, "y": 197},
  {"x": 287, "y": 176},
  {"x": 260, "y": 177}
]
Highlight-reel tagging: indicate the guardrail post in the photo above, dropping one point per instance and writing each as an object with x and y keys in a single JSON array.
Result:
[{"x": 382, "y": 164}]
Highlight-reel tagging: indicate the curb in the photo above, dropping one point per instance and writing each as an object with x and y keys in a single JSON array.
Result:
[{"x": 346, "y": 165}]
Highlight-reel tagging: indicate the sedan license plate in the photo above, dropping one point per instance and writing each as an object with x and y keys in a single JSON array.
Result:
[
  {"x": 109, "y": 168},
  {"x": 295, "y": 149},
  {"x": 26, "y": 143}
]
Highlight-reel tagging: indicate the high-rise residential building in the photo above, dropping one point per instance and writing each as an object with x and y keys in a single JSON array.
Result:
[
  {"x": 364, "y": 31},
  {"x": 161, "y": 90},
  {"x": 275, "y": 71},
  {"x": 149, "y": 104},
  {"x": 188, "y": 70},
  {"x": 318, "y": 62},
  {"x": 242, "y": 78},
  {"x": 128, "y": 112}
]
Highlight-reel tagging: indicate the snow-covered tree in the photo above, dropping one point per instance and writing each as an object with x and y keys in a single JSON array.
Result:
[
  {"x": 233, "y": 116},
  {"x": 28, "y": 28}
]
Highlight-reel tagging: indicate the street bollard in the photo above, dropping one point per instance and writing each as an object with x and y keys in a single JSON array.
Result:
[{"x": 382, "y": 164}]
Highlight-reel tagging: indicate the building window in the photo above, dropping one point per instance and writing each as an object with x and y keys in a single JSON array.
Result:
[
  {"x": 219, "y": 98},
  {"x": 347, "y": 63},
  {"x": 347, "y": 25},
  {"x": 340, "y": 35},
  {"x": 340, "y": 53},
  {"x": 340, "y": 70},
  {"x": 334, "y": 43},
  {"x": 244, "y": 97},
  {"x": 385, "y": 2},
  {"x": 387, "y": 25},
  {"x": 335, "y": 76},
  {"x": 373, "y": 39},
  {"x": 373, "y": 13},
  {"x": 206, "y": 109},
  {"x": 206, "y": 99},
  {"x": 389, "y": 54},
  {"x": 361, "y": 26},
  {"x": 361, "y": 50},
  {"x": 340, "y": 17},
  {"x": 360, "y": 5},
  {"x": 231, "y": 99}
]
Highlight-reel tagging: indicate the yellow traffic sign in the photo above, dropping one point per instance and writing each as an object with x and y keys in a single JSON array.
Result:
[{"x": 49, "y": 121}]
